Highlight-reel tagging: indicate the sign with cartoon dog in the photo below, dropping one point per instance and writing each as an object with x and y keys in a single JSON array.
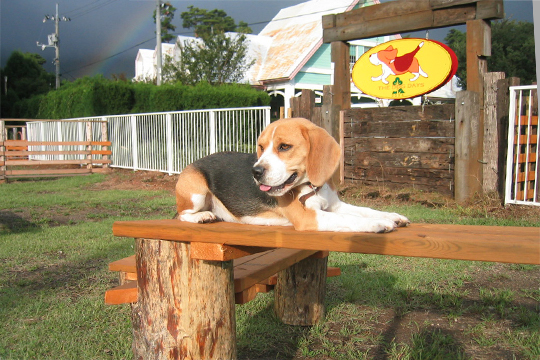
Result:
[{"x": 404, "y": 68}]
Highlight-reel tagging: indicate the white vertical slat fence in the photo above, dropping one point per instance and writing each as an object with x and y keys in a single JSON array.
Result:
[
  {"x": 522, "y": 169},
  {"x": 167, "y": 141}
]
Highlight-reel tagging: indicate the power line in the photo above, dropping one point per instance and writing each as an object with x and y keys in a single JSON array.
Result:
[
  {"x": 185, "y": 33},
  {"x": 88, "y": 10}
]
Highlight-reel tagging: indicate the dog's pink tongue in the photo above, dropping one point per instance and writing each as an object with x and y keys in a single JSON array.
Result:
[{"x": 265, "y": 187}]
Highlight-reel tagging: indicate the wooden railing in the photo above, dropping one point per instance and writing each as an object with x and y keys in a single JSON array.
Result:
[{"x": 19, "y": 158}]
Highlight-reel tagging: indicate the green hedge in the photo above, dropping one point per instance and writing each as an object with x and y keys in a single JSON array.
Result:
[{"x": 98, "y": 96}]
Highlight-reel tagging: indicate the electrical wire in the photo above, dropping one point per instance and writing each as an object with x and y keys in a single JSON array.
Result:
[
  {"x": 86, "y": 11},
  {"x": 182, "y": 33}
]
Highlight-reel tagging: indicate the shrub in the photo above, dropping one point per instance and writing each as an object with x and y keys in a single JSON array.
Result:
[{"x": 97, "y": 96}]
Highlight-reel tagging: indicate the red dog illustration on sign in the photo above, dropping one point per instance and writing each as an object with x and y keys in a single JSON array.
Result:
[{"x": 397, "y": 65}]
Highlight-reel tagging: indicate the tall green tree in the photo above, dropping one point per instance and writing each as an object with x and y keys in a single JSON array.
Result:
[
  {"x": 512, "y": 50},
  {"x": 23, "y": 77},
  {"x": 207, "y": 23},
  {"x": 216, "y": 59},
  {"x": 167, "y": 15}
]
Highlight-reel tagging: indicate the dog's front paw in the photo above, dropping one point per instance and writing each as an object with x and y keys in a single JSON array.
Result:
[
  {"x": 199, "y": 217},
  {"x": 400, "y": 220},
  {"x": 383, "y": 225}
]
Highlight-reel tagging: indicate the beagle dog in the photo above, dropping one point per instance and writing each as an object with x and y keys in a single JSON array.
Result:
[{"x": 288, "y": 182}]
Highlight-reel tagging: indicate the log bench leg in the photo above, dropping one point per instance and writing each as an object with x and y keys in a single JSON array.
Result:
[
  {"x": 185, "y": 308},
  {"x": 299, "y": 292}
]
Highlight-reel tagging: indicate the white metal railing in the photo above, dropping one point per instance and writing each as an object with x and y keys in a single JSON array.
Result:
[
  {"x": 522, "y": 172},
  {"x": 167, "y": 141}
]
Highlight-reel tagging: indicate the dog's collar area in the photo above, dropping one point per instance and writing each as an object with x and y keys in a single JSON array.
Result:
[{"x": 305, "y": 197}]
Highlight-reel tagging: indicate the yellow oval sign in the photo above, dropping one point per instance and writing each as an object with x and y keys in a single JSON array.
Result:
[{"x": 404, "y": 68}]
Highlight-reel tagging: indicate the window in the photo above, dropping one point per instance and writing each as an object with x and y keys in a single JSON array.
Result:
[{"x": 355, "y": 51}]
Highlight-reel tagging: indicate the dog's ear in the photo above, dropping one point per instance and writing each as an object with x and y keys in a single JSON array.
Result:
[{"x": 324, "y": 156}]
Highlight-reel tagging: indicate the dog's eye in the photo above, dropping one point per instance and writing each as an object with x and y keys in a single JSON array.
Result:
[
  {"x": 261, "y": 147},
  {"x": 284, "y": 147}
]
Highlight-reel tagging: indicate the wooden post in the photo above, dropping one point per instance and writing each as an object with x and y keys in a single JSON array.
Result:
[
  {"x": 89, "y": 146},
  {"x": 331, "y": 122},
  {"x": 185, "y": 307},
  {"x": 2, "y": 149},
  {"x": 503, "y": 116},
  {"x": 104, "y": 137},
  {"x": 491, "y": 132},
  {"x": 300, "y": 291},
  {"x": 294, "y": 107},
  {"x": 306, "y": 104},
  {"x": 342, "y": 74},
  {"x": 468, "y": 145},
  {"x": 478, "y": 48}
]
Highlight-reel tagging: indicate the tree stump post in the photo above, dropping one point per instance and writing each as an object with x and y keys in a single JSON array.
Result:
[
  {"x": 185, "y": 307},
  {"x": 300, "y": 291}
]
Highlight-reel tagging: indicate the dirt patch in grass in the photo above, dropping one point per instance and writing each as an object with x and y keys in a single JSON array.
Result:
[{"x": 123, "y": 179}]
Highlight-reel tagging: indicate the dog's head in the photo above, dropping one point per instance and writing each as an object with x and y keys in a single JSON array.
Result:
[
  {"x": 386, "y": 56},
  {"x": 292, "y": 152}
]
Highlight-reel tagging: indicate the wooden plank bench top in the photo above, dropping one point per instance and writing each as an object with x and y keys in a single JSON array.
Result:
[{"x": 506, "y": 244}]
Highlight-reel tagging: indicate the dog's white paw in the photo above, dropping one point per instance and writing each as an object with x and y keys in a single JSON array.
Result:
[
  {"x": 199, "y": 217},
  {"x": 383, "y": 225},
  {"x": 398, "y": 219}
]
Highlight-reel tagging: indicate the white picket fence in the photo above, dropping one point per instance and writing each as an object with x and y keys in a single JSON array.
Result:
[
  {"x": 522, "y": 171},
  {"x": 165, "y": 142}
]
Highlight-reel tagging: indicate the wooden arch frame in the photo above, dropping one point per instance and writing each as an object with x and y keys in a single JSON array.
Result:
[{"x": 404, "y": 16}]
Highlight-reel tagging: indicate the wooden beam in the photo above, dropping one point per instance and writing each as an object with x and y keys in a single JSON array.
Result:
[
  {"x": 342, "y": 79},
  {"x": 40, "y": 172},
  {"x": 491, "y": 132},
  {"x": 469, "y": 136},
  {"x": 249, "y": 270},
  {"x": 54, "y": 143},
  {"x": 404, "y": 15},
  {"x": 478, "y": 48},
  {"x": 463, "y": 242},
  {"x": 220, "y": 252}
]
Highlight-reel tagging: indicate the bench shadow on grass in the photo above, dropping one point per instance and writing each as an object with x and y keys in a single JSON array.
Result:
[
  {"x": 62, "y": 279},
  {"x": 11, "y": 223},
  {"x": 262, "y": 336}
]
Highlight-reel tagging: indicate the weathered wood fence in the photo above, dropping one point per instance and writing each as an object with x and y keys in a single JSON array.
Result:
[
  {"x": 438, "y": 148},
  {"x": 400, "y": 146}
]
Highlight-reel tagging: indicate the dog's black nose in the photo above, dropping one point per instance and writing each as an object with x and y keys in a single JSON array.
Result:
[{"x": 258, "y": 171}]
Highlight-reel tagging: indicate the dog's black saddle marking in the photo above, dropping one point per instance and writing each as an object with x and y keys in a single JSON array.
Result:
[{"x": 230, "y": 179}]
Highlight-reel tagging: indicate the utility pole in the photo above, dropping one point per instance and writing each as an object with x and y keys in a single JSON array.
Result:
[
  {"x": 53, "y": 41},
  {"x": 158, "y": 43}
]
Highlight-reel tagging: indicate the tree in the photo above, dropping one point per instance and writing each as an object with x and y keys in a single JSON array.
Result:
[
  {"x": 26, "y": 77},
  {"x": 167, "y": 15},
  {"x": 215, "y": 59},
  {"x": 512, "y": 50},
  {"x": 206, "y": 23}
]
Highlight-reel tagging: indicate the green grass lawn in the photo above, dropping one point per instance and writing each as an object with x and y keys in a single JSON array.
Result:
[{"x": 56, "y": 242}]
